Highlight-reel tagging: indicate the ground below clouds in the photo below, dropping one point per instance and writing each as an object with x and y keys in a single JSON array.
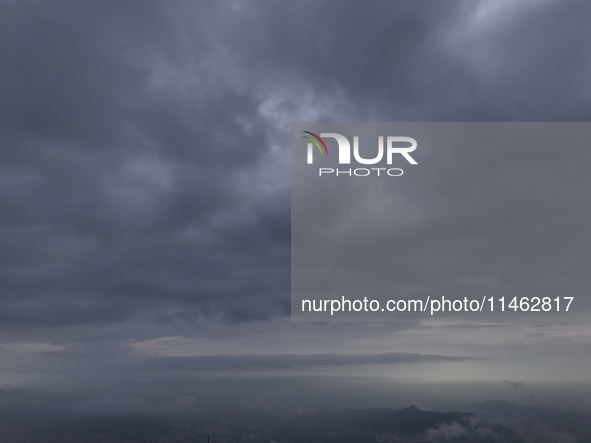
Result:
[{"x": 496, "y": 421}]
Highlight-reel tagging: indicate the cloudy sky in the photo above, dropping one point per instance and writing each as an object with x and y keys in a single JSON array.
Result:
[{"x": 145, "y": 194}]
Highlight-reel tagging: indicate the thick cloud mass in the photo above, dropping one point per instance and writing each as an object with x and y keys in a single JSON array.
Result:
[
  {"x": 142, "y": 144},
  {"x": 121, "y": 195},
  {"x": 144, "y": 171}
]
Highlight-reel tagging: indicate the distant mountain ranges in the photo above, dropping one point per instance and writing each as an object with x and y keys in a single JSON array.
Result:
[
  {"x": 534, "y": 421},
  {"x": 487, "y": 422}
]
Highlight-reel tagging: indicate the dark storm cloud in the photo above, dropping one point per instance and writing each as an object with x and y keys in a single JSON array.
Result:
[
  {"x": 118, "y": 197},
  {"x": 252, "y": 362},
  {"x": 135, "y": 153},
  {"x": 456, "y": 60},
  {"x": 368, "y": 52}
]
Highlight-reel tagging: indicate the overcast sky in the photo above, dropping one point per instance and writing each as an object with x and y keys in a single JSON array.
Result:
[{"x": 145, "y": 193}]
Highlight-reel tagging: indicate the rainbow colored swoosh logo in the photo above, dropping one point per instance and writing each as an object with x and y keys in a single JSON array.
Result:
[{"x": 315, "y": 139}]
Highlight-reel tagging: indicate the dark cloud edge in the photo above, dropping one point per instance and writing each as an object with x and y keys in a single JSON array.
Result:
[{"x": 286, "y": 361}]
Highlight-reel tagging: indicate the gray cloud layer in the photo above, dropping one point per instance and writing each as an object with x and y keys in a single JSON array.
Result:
[
  {"x": 144, "y": 144},
  {"x": 251, "y": 362}
]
